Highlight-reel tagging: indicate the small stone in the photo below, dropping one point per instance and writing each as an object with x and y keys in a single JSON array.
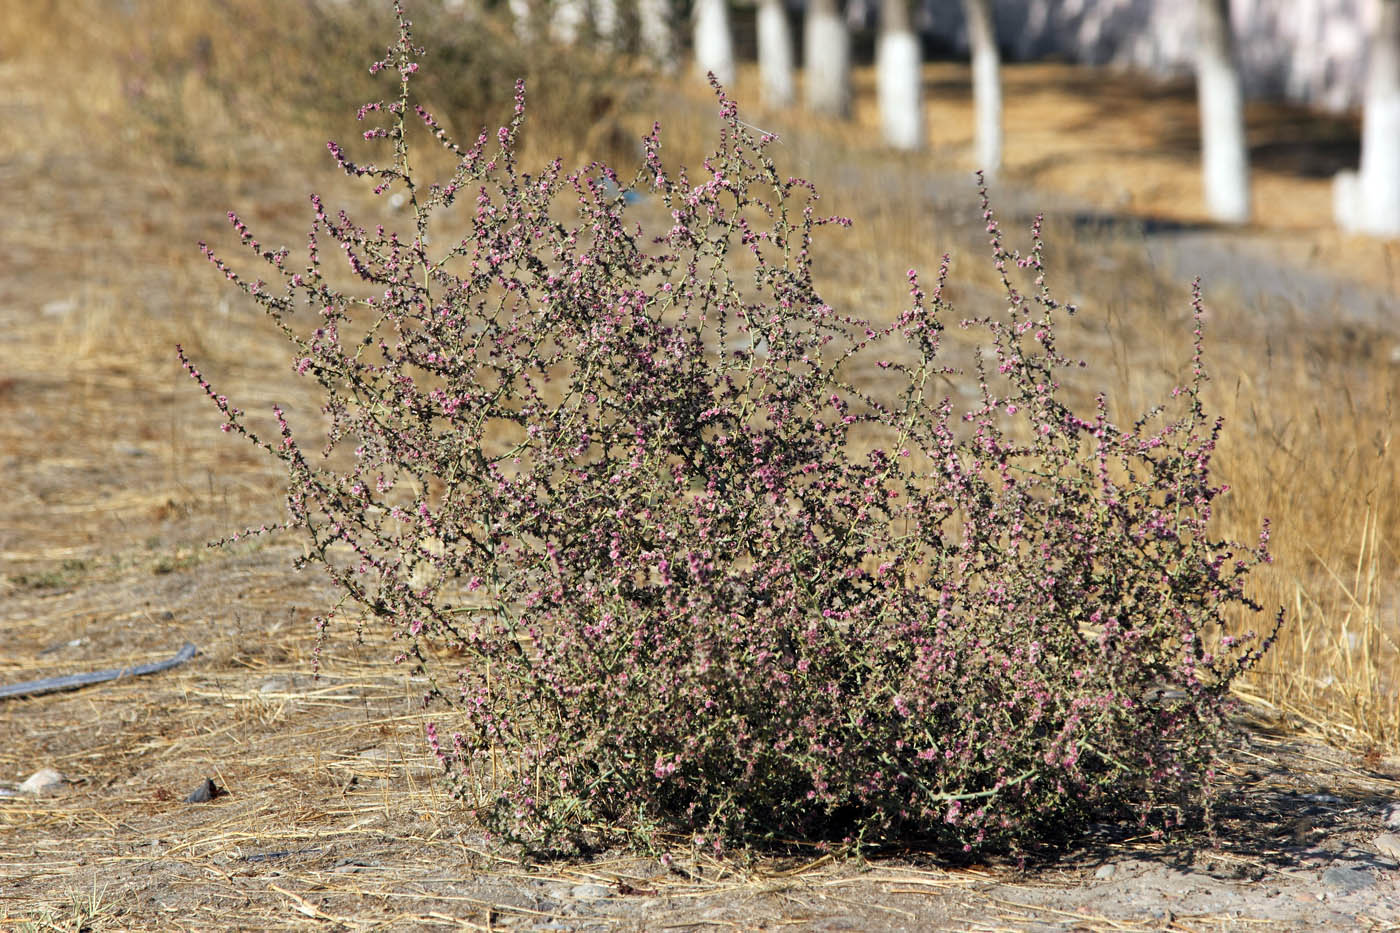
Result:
[
  {"x": 1348, "y": 879},
  {"x": 282, "y": 684},
  {"x": 1106, "y": 872},
  {"x": 205, "y": 792},
  {"x": 351, "y": 868},
  {"x": 59, "y": 307},
  {"x": 43, "y": 782},
  {"x": 75, "y": 643},
  {"x": 1392, "y": 815},
  {"x": 377, "y": 754},
  {"x": 1388, "y": 844},
  {"x": 588, "y": 892}
]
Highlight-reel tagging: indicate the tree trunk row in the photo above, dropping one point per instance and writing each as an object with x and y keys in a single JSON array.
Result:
[
  {"x": 1367, "y": 201},
  {"x": 899, "y": 69}
]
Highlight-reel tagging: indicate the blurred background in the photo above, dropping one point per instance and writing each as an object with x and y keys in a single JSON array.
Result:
[{"x": 1255, "y": 144}]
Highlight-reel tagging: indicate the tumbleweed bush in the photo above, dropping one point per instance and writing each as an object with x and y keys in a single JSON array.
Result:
[{"x": 671, "y": 565}]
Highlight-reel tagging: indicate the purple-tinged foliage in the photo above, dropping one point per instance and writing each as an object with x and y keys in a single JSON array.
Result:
[{"x": 672, "y": 569}]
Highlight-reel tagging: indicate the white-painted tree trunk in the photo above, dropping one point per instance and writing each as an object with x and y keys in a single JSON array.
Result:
[
  {"x": 826, "y": 63},
  {"x": 1224, "y": 153},
  {"x": 776, "y": 56},
  {"x": 986, "y": 83},
  {"x": 522, "y": 16},
  {"x": 714, "y": 43},
  {"x": 606, "y": 21},
  {"x": 655, "y": 32},
  {"x": 1379, "y": 211},
  {"x": 899, "y": 78},
  {"x": 567, "y": 20}
]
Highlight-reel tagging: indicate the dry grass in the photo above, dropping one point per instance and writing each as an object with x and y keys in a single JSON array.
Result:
[
  {"x": 117, "y": 474},
  {"x": 334, "y": 813}
]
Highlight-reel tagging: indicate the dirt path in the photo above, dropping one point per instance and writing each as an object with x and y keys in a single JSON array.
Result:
[{"x": 1253, "y": 267}]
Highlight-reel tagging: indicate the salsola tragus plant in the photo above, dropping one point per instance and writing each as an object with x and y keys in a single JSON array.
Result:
[{"x": 673, "y": 566}]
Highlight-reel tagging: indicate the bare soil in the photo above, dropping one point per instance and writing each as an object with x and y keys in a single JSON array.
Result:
[{"x": 331, "y": 815}]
